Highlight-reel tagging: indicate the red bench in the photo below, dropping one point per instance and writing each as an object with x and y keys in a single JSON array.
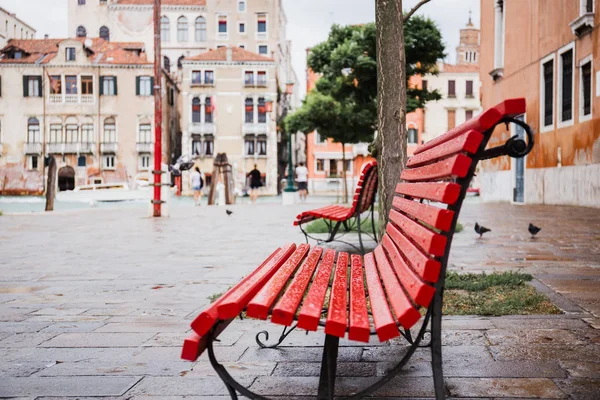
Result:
[
  {"x": 336, "y": 216},
  {"x": 383, "y": 292}
]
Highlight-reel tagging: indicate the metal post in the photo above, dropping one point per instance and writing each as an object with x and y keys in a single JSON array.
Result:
[
  {"x": 290, "y": 179},
  {"x": 157, "y": 112}
]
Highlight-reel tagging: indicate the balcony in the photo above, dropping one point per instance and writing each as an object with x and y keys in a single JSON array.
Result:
[
  {"x": 144, "y": 147},
  {"x": 86, "y": 147},
  {"x": 33, "y": 148},
  {"x": 109, "y": 147},
  {"x": 583, "y": 24},
  {"x": 255, "y": 84},
  {"x": 202, "y": 128},
  {"x": 70, "y": 148},
  {"x": 71, "y": 99},
  {"x": 203, "y": 84},
  {"x": 254, "y": 129}
]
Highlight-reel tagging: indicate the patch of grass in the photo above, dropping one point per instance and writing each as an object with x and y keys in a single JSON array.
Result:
[
  {"x": 215, "y": 296},
  {"x": 319, "y": 226},
  {"x": 459, "y": 227},
  {"x": 0, "y": 213},
  {"x": 494, "y": 294}
]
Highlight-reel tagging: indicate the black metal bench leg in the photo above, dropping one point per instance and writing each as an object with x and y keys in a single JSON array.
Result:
[
  {"x": 436, "y": 347},
  {"x": 334, "y": 232},
  {"x": 362, "y": 248},
  {"x": 373, "y": 222},
  {"x": 328, "y": 368}
]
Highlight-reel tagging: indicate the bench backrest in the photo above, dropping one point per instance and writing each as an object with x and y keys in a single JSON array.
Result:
[
  {"x": 418, "y": 235},
  {"x": 366, "y": 189}
]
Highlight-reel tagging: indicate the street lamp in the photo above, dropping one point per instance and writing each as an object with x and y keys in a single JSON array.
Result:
[{"x": 289, "y": 89}]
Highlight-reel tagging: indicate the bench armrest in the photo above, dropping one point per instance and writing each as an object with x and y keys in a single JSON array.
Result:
[{"x": 514, "y": 147}]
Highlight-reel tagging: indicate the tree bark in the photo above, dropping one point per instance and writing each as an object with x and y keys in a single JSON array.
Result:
[
  {"x": 51, "y": 184},
  {"x": 344, "y": 181},
  {"x": 391, "y": 97}
]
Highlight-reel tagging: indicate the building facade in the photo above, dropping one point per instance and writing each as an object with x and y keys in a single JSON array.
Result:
[
  {"x": 554, "y": 65},
  {"x": 12, "y": 27},
  {"x": 66, "y": 98}
]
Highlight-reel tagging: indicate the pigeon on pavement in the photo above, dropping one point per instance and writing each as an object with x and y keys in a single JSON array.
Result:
[
  {"x": 229, "y": 212},
  {"x": 481, "y": 229},
  {"x": 534, "y": 230}
]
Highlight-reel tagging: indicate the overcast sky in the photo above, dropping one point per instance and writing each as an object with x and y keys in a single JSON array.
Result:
[{"x": 308, "y": 20}]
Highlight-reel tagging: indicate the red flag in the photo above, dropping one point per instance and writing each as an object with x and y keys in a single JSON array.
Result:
[{"x": 54, "y": 83}]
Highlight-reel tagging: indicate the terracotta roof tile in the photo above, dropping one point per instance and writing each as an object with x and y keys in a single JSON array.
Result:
[
  {"x": 165, "y": 2},
  {"x": 237, "y": 54},
  {"x": 460, "y": 68}
]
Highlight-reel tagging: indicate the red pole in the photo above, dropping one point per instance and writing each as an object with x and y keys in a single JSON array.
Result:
[{"x": 157, "y": 111}]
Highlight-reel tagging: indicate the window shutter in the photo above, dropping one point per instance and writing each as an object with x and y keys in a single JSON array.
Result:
[
  {"x": 101, "y": 90},
  {"x": 25, "y": 87},
  {"x": 152, "y": 86},
  {"x": 39, "y": 81},
  {"x": 115, "y": 80},
  {"x": 137, "y": 85}
]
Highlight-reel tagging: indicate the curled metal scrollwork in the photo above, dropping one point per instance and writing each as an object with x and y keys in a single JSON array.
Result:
[
  {"x": 286, "y": 331},
  {"x": 515, "y": 147}
]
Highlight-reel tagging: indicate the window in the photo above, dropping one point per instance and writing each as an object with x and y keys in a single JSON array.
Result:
[
  {"x": 566, "y": 87},
  {"x": 499, "y": 34},
  {"x": 333, "y": 167},
  {"x": 263, "y": 49},
  {"x": 56, "y": 133},
  {"x": 547, "y": 96},
  {"x": 32, "y": 86},
  {"x": 413, "y": 136},
  {"x": 32, "y": 162},
  {"x": 223, "y": 24},
  {"x": 242, "y": 5},
  {"x": 144, "y": 161},
  {"x": 87, "y": 85},
  {"x": 179, "y": 62},
  {"x": 241, "y": 46},
  {"x": 320, "y": 165},
  {"x": 208, "y": 110},
  {"x": 209, "y": 145},
  {"x": 81, "y": 32},
  {"x": 81, "y": 2},
  {"x": 249, "y": 145},
  {"x": 262, "y": 111},
  {"x": 200, "y": 29},
  {"x": 196, "y": 112},
  {"x": 108, "y": 85},
  {"x": 261, "y": 144},
  {"x": 586, "y": 90},
  {"x": 145, "y": 86},
  {"x": 469, "y": 88},
  {"x": 452, "y": 88},
  {"x": 110, "y": 131},
  {"x": 103, "y": 2},
  {"x": 261, "y": 78},
  {"x": 196, "y": 77},
  {"x": 71, "y": 133},
  {"x": 167, "y": 63},
  {"x": 71, "y": 84},
  {"x": 33, "y": 130},
  {"x": 145, "y": 133},
  {"x": 242, "y": 27},
  {"x": 108, "y": 162},
  {"x": 105, "y": 33},
  {"x": 424, "y": 85},
  {"x": 209, "y": 77},
  {"x": 165, "y": 29},
  {"x": 196, "y": 146},
  {"x": 182, "y": 29},
  {"x": 451, "y": 119},
  {"x": 261, "y": 26},
  {"x": 81, "y": 161},
  {"x": 87, "y": 133},
  {"x": 468, "y": 114},
  {"x": 249, "y": 108},
  {"x": 249, "y": 78}
]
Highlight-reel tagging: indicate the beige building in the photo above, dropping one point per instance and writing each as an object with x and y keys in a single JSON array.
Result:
[
  {"x": 12, "y": 27},
  {"x": 87, "y": 102},
  {"x": 224, "y": 97}
]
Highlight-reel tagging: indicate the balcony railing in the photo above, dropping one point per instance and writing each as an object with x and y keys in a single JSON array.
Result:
[
  {"x": 71, "y": 99},
  {"x": 111, "y": 147},
  {"x": 202, "y": 128},
  {"x": 203, "y": 84},
  {"x": 69, "y": 148},
  {"x": 33, "y": 148},
  {"x": 250, "y": 128},
  {"x": 144, "y": 147},
  {"x": 86, "y": 147}
]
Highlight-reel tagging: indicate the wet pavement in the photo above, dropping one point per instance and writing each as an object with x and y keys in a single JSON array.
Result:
[{"x": 95, "y": 303}]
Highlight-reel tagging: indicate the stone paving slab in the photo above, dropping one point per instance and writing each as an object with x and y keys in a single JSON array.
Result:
[
  {"x": 63, "y": 386},
  {"x": 505, "y": 387},
  {"x": 93, "y": 339}
]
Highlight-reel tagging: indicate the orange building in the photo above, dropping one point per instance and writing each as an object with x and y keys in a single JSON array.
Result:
[{"x": 547, "y": 51}]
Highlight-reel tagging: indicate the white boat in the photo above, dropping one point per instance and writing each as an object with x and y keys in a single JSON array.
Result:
[{"x": 104, "y": 192}]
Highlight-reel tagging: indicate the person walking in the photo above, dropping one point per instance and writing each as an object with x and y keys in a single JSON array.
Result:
[
  {"x": 255, "y": 183},
  {"x": 197, "y": 185},
  {"x": 302, "y": 179}
]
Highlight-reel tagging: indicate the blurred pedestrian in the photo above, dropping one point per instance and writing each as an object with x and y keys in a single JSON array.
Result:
[
  {"x": 302, "y": 179},
  {"x": 255, "y": 183},
  {"x": 197, "y": 183}
]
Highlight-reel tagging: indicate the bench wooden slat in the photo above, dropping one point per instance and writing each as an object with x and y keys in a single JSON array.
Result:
[
  {"x": 285, "y": 309},
  {"x": 194, "y": 345},
  {"x": 235, "y": 301},
  {"x": 337, "y": 316},
  {"x": 260, "y": 305},
  {"x": 208, "y": 317},
  {"x": 405, "y": 311},
  {"x": 433, "y": 243},
  {"x": 419, "y": 291},
  {"x": 455, "y": 166},
  {"x": 468, "y": 142},
  {"x": 427, "y": 268},
  {"x": 434, "y": 216},
  {"x": 359, "y": 316},
  {"x": 312, "y": 307},
  {"x": 444, "y": 192},
  {"x": 385, "y": 326}
]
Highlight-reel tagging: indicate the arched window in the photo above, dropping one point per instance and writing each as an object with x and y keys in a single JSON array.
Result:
[
  {"x": 200, "y": 29},
  {"x": 249, "y": 110},
  {"x": 167, "y": 63},
  {"x": 208, "y": 110},
  {"x": 179, "y": 62},
  {"x": 196, "y": 114},
  {"x": 33, "y": 130},
  {"x": 145, "y": 131},
  {"x": 182, "y": 29},
  {"x": 110, "y": 131},
  {"x": 262, "y": 111},
  {"x": 71, "y": 130},
  {"x": 165, "y": 29},
  {"x": 81, "y": 32},
  {"x": 105, "y": 33},
  {"x": 87, "y": 131}
]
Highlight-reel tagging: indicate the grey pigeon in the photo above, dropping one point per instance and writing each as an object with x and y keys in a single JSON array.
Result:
[
  {"x": 534, "y": 230},
  {"x": 481, "y": 229}
]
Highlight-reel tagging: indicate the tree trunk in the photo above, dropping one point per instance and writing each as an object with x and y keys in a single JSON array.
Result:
[
  {"x": 51, "y": 184},
  {"x": 391, "y": 96},
  {"x": 344, "y": 181}
]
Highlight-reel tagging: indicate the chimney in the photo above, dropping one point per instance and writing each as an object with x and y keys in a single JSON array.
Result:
[
  {"x": 46, "y": 36},
  {"x": 229, "y": 53}
]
